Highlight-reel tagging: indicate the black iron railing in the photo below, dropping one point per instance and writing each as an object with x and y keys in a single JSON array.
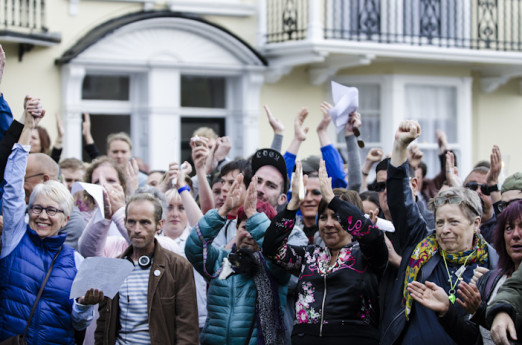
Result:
[
  {"x": 23, "y": 16},
  {"x": 468, "y": 24}
]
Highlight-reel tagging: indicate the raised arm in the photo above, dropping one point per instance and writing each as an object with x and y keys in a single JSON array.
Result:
[
  {"x": 199, "y": 249},
  {"x": 352, "y": 148},
  {"x": 13, "y": 199},
  {"x": 90, "y": 145},
  {"x": 299, "y": 136},
  {"x": 373, "y": 156},
  {"x": 277, "y": 127},
  {"x": 200, "y": 155},
  {"x": 275, "y": 243},
  {"x": 191, "y": 207},
  {"x": 353, "y": 221},
  {"x": 409, "y": 225},
  {"x": 57, "y": 147},
  {"x": 334, "y": 162}
]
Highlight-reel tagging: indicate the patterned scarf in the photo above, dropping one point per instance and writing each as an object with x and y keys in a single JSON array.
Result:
[
  {"x": 426, "y": 249},
  {"x": 270, "y": 325}
]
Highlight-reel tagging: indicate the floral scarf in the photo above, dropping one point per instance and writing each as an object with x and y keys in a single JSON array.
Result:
[{"x": 426, "y": 249}]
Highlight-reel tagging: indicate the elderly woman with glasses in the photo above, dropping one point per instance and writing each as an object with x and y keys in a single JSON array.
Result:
[
  {"x": 28, "y": 251},
  {"x": 482, "y": 291},
  {"x": 445, "y": 258}
]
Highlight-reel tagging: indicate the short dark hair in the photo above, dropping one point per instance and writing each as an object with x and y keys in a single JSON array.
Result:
[
  {"x": 424, "y": 168},
  {"x": 239, "y": 164},
  {"x": 382, "y": 165},
  {"x": 371, "y": 196},
  {"x": 512, "y": 213}
]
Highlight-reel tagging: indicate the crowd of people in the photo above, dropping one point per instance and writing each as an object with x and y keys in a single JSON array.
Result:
[{"x": 265, "y": 249}]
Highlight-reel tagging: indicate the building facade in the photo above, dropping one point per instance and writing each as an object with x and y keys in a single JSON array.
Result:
[{"x": 158, "y": 69}]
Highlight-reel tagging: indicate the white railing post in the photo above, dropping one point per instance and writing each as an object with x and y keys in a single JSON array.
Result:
[
  {"x": 261, "y": 23},
  {"x": 315, "y": 24}
]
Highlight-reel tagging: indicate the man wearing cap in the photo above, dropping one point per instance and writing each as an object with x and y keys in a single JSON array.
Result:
[
  {"x": 270, "y": 168},
  {"x": 511, "y": 191}
]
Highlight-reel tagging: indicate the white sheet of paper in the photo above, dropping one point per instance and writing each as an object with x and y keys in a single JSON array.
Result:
[
  {"x": 346, "y": 101},
  {"x": 96, "y": 192},
  {"x": 106, "y": 274}
]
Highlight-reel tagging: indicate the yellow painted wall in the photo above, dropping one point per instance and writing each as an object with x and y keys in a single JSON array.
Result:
[{"x": 498, "y": 120}]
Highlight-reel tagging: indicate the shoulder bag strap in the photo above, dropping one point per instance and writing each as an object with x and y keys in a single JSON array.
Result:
[{"x": 41, "y": 291}]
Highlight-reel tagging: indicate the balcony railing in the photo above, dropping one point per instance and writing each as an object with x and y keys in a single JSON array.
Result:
[
  {"x": 468, "y": 24},
  {"x": 23, "y": 21}
]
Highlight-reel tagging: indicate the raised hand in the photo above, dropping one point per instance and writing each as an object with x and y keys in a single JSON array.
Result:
[
  {"x": 222, "y": 148},
  {"x": 131, "y": 176},
  {"x": 353, "y": 124},
  {"x": 298, "y": 183},
  {"x": 430, "y": 295},
  {"x": 299, "y": 130},
  {"x": 233, "y": 200},
  {"x": 408, "y": 131},
  {"x": 495, "y": 161},
  {"x": 325, "y": 183},
  {"x": 113, "y": 199},
  {"x": 326, "y": 119},
  {"x": 2, "y": 63},
  {"x": 250, "y": 204},
  {"x": 442, "y": 141},
  {"x": 275, "y": 123},
  {"x": 414, "y": 155},
  {"x": 86, "y": 129},
  {"x": 469, "y": 297},
  {"x": 91, "y": 297},
  {"x": 452, "y": 174}
]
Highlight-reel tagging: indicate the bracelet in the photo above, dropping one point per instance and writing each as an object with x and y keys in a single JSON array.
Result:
[{"x": 184, "y": 188}]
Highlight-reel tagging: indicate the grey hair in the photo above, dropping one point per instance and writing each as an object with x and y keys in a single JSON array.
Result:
[
  {"x": 157, "y": 194},
  {"x": 471, "y": 204},
  {"x": 158, "y": 209},
  {"x": 56, "y": 192}
]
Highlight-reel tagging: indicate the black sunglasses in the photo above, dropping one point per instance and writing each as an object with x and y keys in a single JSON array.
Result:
[
  {"x": 504, "y": 204},
  {"x": 379, "y": 187},
  {"x": 474, "y": 186},
  {"x": 357, "y": 134}
]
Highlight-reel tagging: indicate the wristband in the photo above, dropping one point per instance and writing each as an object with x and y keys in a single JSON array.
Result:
[
  {"x": 184, "y": 188},
  {"x": 365, "y": 173},
  {"x": 489, "y": 189}
]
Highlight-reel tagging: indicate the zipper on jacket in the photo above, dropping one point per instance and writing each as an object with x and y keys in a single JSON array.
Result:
[
  {"x": 392, "y": 321},
  {"x": 322, "y": 309}
]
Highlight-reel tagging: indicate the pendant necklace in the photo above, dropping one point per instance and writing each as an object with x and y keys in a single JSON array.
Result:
[{"x": 459, "y": 273}]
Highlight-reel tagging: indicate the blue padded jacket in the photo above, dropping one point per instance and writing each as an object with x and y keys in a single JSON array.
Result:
[{"x": 231, "y": 302}]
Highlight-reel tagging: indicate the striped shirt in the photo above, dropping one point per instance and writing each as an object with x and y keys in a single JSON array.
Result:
[{"x": 133, "y": 308}]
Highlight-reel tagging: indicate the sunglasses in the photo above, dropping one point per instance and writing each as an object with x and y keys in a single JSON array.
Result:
[
  {"x": 379, "y": 186},
  {"x": 474, "y": 186},
  {"x": 454, "y": 200},
  {"x": 357, "y": 134},
  {"x": 504, "y": 204}
]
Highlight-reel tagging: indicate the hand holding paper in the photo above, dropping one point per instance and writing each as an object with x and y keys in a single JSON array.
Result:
[{"x": 346, "y": 101}]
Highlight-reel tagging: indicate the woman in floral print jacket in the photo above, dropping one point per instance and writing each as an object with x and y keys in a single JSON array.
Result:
[{"x": 338, "y": 285}]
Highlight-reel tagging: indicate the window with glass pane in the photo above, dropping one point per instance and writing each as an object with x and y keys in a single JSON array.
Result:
[
  {"x": 105, "y": 87},
  {"x": 370, "y": 110},
  {"x": 202, "y": 92},
  {"x": 434, "y": 107}
]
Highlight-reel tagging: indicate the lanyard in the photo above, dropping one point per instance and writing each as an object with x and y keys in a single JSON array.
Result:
[{"x": 459, "y": 273}]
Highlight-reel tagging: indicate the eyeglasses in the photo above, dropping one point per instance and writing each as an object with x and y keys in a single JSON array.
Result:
[
  {"x": 379, "y": 186},
  {"x": 51, "y": 211},
  {"x": 357, "y": 134},
  {"x": 30, "y": 176},
  {"x": 453, "y": 200},
  {"x": 474, "y": 186},
  {"x": 504, "y": 204}
]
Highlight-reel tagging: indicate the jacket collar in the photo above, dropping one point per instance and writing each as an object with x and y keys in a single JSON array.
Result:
[{"x": 51, "y": 243}]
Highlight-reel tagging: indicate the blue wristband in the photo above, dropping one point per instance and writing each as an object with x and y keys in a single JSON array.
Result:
[{"x": 184, "y": 188}]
